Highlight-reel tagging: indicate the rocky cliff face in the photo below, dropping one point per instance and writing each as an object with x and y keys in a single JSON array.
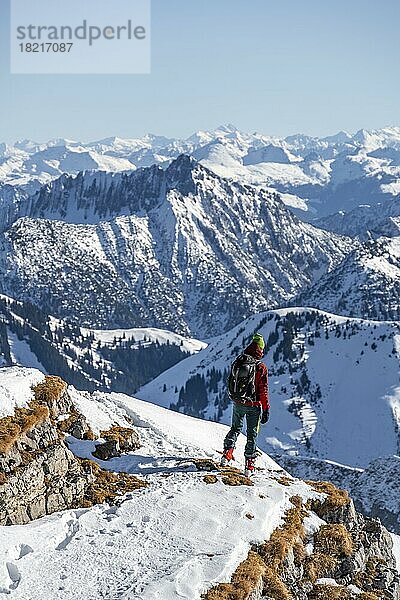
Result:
[{"x": 39, "y": 475}]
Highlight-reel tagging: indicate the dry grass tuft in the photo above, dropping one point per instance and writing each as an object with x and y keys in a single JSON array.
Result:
[
  {"x": 335, "y": 499},
  {"x": 244, "y": 581},
  {"x": 205, "y": 464},
  {"x": 288, "y": 537},
  {"x": 370, "y": 596},
  {"x": 66, "y": 425},
  {"x": 329, "y": 592},
  {"x": 366, "y": 579},
  {"x": 236, "y": 479},
  {"x": 210, "y": 478},
  {"x": 49, "y": 390},
  {"x": 3, "y": 478},
  {"x": 284, "y": 480},
  {"x": 117, "y": 433},
  {"x": 23, "y": 420},
  {"x": 333, "y": 540},
  {"x": 318, "y": 565},
  {"x": 274, "y": 586},
  {"x": 107, "y": 486}
]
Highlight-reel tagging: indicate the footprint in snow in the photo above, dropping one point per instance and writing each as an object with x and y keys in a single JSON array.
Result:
[
  {"x": 14, "y": 575},
  {"x": 73, "y": 528},
  {"x": 24, "y": 549}
]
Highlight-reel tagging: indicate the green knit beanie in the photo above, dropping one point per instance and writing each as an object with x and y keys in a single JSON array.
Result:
[{"x": 259, "y": 340}]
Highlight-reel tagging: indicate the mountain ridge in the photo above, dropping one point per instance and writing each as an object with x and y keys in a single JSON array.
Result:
[{"x": 165, "y": 248}]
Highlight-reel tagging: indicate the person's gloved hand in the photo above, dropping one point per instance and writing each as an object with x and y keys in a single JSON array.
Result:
[{"x": 265, "y": 416}]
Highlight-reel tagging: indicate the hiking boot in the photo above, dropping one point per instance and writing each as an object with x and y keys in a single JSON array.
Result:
[
  {"x": 227, "y": 457},
  {"x": 250, "y": 465}
]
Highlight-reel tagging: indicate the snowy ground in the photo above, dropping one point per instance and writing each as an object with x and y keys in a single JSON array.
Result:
[
  {"x": 171, "y": 540},
  {"x": 396, "y": 549},
  {"x": 151, "y": 334},
  {"x": 16, "y": 388}
]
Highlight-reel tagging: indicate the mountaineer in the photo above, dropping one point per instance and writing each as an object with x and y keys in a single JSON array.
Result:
[{"x": 248, "y": 389}]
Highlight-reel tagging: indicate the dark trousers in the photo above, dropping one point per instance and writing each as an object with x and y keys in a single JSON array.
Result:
[{"x": 252, "y": 414}]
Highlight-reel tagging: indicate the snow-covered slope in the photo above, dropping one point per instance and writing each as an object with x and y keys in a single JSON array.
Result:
[
  {"x": 365, "y": 284},
  {"x": 16, "y": 388},
  {"x": 173, "y": 539},
  {"x": 334, "y": 387},
  {"x": 180, "y": 249}
]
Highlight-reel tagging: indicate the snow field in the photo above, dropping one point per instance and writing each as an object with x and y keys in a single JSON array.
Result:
[{"x": 173, "y": 539}]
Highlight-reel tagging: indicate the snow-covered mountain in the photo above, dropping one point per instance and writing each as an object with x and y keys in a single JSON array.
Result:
[
  {"x": 180, "y": 249},
  {"x": 334, "y": 384},
  {"x": 366, "y": 221},
  {"x": 184, "y": 527},
  {"x": 328, "y": 174},
  {"x": 119, "y": 360},
  {"x": 365, "y": 284}
]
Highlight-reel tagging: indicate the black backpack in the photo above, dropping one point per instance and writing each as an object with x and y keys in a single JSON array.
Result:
[{"x": 242, "y": 379}]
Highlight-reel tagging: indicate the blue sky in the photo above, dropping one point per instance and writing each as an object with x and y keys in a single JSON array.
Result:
[{"x": 277, "y": 67}]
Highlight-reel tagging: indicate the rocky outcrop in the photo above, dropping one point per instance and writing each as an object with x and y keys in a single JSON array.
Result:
[
  {"x": 367, "y": 564},
  {"x": 116, "y": 441},
  {"x": 348, "y": 556},
  {"x": 39, "y": 475},
  {"x": 374, "y": 489}
]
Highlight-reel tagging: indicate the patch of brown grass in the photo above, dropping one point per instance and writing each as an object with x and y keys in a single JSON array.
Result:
[
  {"x": 289, "y": 536},
  {"x": 117, "y": 433},
  {"x": 244, "y": 581},
  {"x": 366, "y": 579},
  {"x": 107, "y": 486},
  {"x": 318, "y": 565},
  {"x": 333, "y": 540},
  {"x": 274, "y": 586},
  {"x": 210, "y": 478},
  {"x": 23, "y": 420},
  {"x": 67, "y": 423},
  {"x": 49, "y": 390},
  {"x": 3, "y": 478},
  {"x": 236, "y": 479},
  {"x": 368, "y": 596},
  {"x": 283, "y": 480},
  {"x": 335, "y": 498},
  {"x": 329, "y": 592}
]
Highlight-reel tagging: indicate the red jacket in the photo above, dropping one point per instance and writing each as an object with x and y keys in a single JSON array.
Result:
[{"x": 261, "y": 376}]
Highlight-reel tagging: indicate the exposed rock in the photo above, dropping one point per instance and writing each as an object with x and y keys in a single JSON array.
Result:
[
  {"x": 46, "y": 479},
  {"x": 107, "y": 450},
  {"x": 77, "y": 426},
  {"x": 117, "y": 441}
]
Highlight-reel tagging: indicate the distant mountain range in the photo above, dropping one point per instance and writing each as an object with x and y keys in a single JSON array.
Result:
[{"x": 316, "y": 176}]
